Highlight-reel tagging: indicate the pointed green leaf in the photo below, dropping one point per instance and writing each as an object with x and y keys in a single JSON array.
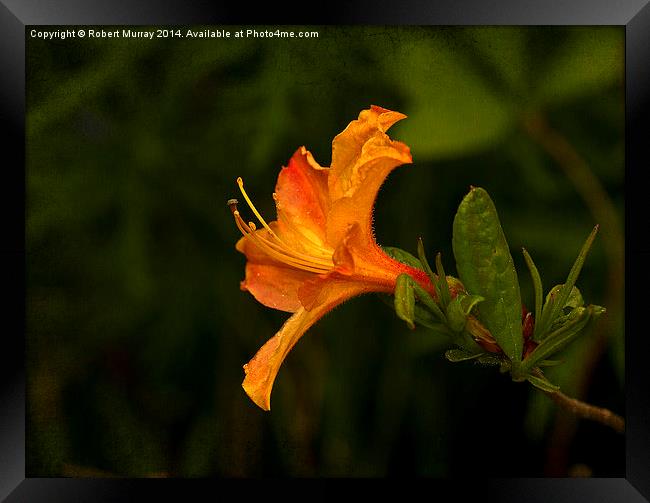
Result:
[
  {"x": 456, "y": 317},
  {"x": 486, "y": 268},
  {"x": 442, "y": 285},
  {"x": 553, "y": 307},
  {"x": 402, "y": 256},
  {"x": 489, "y": 359},
  {"x": 425, "y": 318},
  {"x": 543, "y": 384},
  {"x": 425, "y": 312},
  {"x": 469, "y": 301},
  {"x": 558, "y": 339},
  {"x": 405, "y": 299},
  {"x": 574, "y": 301},
  {"x": 425, "y": 262},
  {"x": 537, "y": 283},
  {"x": 459, "y": 355},
  {"x": 428, "y": 301},
  {"x": 550, "y": 363}
]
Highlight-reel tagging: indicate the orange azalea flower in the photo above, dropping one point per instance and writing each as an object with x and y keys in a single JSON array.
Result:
[{"x": 321, "y": 250}]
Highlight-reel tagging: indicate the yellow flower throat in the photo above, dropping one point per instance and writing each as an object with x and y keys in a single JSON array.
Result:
[{"x": 274, "y": 246}]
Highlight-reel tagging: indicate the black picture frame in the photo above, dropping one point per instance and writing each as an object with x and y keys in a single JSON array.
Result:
[{"x": 15, "y": 15}]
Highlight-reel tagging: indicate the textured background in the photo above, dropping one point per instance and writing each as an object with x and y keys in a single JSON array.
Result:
[{"x": 137, "y": 329}]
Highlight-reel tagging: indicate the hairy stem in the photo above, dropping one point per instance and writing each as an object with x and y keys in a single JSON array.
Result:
[{"x": 587, "y": 411}]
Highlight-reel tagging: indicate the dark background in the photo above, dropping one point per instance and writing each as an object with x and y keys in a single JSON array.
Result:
[{"x": 137, "y": 329}]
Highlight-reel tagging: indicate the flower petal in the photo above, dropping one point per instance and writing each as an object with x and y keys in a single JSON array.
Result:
[
  {"x": 302, "y": 201},
  {"x": 347, "y": 147},
  {"x": 271, "y": 282},
  {"x": 362, "y": 157},
  {"x": 263, "y": 368}
]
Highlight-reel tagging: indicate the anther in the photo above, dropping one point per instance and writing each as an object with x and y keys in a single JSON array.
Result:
[{"x": 271, "y": 243}]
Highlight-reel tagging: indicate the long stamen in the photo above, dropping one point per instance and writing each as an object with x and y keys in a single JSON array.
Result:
[
  {"x": 307, "y": 259},
  {"x": 275, "y": 250},
  {"x": 281, "y": 255},
  {"x": 324, "y": 259},
  {"x": 240, "y": 182}
]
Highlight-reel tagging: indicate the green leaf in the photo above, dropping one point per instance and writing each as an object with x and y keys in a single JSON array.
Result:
[
  {"x": 456, "y": 317},
  {"x": 402, "y": 256},
  {"x": 490, "y": 359},
  {"x": 486, "y": 268},
  {"x": 550, "y": 363},
  {"x": 537, "y": 283},
  {"x": 405, "y": 299},
  {"x": 428, "y": 301},
  {"x": 442, "y": 287},
  {"x": 425, "y": 318},
  {"x": 555, "y": 302},
  {"x": 543, "y": 384},
  {"x": 574, "y": 300},
  {"x": 468, "y": 302},
  {"x": 459, "y": 355},
  {"x": 425, "y": 263},
  {"x": 429, "y": 312},
  {"x": 558, "y": 339}
]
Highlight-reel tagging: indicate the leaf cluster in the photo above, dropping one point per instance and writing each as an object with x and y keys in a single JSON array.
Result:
[{"x": 482, "y": 314}]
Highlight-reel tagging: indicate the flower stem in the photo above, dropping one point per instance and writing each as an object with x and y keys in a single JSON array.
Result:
[{"x": 585, "y": 410}]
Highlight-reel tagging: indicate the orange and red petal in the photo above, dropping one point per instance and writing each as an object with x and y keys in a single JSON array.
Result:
[
  {"x": 358, "y": 207},
  {"x": 275, "y": 287},
  {"x": 348, "y": 146},
  {"x": 263, "y": 368},
  {"x": 302, "y": 200},
  {"x": 271, "y": 282},
  {"x": 362, "y": 157}
]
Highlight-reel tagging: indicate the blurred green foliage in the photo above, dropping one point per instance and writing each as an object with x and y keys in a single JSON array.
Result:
[{"x": 137, "y": 329}]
